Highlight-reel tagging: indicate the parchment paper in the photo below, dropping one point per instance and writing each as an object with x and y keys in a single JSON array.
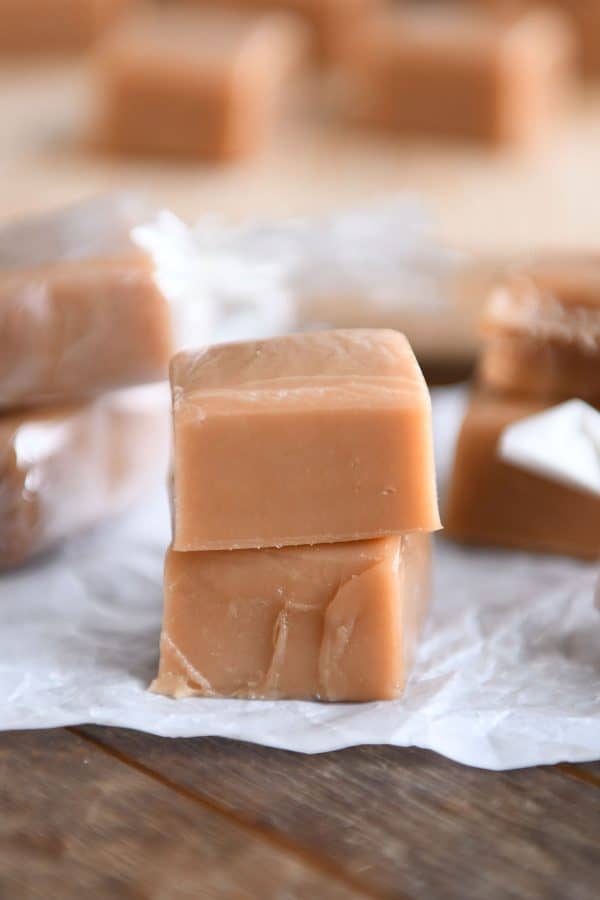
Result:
[{"x": 508, "y": 672}]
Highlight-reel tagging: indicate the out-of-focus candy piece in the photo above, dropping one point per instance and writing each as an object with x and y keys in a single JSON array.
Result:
[
  {"x": 459, "y": 72},
  {"x": 204, "y": 84},
  {"x": 66, "y": 468},
  {"x": 305, "y": 439},
  {"x": 584, "y": 15},
  {"x": 55, "y": 26},
  {"x": 331, "y": 21},
  {"x": 542, "y": 331},
  {"x": 80, "y": 310}
]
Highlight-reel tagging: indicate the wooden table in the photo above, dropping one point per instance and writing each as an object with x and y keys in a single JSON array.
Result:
[{"x": 108, "y": 813}]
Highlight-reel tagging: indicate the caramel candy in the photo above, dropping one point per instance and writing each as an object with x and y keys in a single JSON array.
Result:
[
  {"x": 305, "y": 439},
  {"x": 542, "y": 331},
  {"x": 55, "y": 26},
  {"x": 331, "y": 21},
  {"x": 584, "y": 15},
  {"x": 194, "y": 83},
  {"x": 460, "y": 72},
  {"x": 492, "y": 502},
  {"x": 64, "y": 469},
  {"x": 80, "y": 312},
  {"x": 329, "y": 622}
]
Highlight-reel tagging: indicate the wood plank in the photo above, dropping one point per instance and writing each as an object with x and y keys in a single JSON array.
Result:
[
  {"x": 399, "y": 820},
  {"x": 76, "y": 821}
]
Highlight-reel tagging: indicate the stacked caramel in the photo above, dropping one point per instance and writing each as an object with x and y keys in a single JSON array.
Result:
[{"x": 303, "y": 500}]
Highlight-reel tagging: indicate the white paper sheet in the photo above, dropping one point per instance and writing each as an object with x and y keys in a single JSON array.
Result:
[
  {"x": 561, "y": 443},
  {"x": 508, "y": 672}
]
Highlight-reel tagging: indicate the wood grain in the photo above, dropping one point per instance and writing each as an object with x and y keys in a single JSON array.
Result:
[
  {"x": 589, "y": 773},
  {"x": 77, "y": 822},
  {"x": 399, "y": 822}
]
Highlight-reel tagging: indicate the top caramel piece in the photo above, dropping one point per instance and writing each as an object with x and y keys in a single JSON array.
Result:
[{"x": 310, "y": 438}]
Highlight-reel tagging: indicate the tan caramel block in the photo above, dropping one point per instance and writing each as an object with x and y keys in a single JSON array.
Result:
[
  {"x": 193, "y": 83},
  {"x": 64, "y": 469},
  {"x": 460, "y": 72},
  {"x": 332, "y": 21},
  {"x": 305, "y": 439},
  {"x": 55, "y": 26},
  {"x": 491, "y": 502},
  {"x": 330, "y": 622},
  {"x": 542, "y": 331},
  {"x": 79, "y": 328}
]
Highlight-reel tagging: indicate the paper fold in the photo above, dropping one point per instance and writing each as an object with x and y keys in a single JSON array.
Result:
[{"x": 561, "y": 443}]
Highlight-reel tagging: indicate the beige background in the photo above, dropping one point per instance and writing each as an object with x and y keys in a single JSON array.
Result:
[{"x": 496, "y": 202}]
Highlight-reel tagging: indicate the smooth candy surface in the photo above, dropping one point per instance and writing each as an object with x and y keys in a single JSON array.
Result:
[
  {"x": 56, "y": 26},
  {"x": 80, "y": 312},
  {"x": 305, "y": 439},
  {"x": 197, "y": 83}
]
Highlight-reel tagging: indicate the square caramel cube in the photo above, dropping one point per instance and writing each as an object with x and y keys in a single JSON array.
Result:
[
  {"x": 495, "y": 503},
  {"x": 542, "y": 331},
  {"x": 329, "y": 622},
  {"x": 194, "y": 83},
  {"x": 304, "y": 439},
  {"x": 459, "y": 72}
]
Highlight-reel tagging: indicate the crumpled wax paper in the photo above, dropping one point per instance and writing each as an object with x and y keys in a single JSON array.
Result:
[
  {"x": 379, "y": 265},
  {"x": 508, "y": 672}
]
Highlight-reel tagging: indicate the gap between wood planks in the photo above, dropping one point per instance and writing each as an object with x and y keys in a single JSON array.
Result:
[
  {"x": 271, "y": 837},
  {"x": 579, "y": 774}
]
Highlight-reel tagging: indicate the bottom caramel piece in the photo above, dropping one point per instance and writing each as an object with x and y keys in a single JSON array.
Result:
[
  {"x": 328, "y": 622},
  {"x": 492, "y": 502}
]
